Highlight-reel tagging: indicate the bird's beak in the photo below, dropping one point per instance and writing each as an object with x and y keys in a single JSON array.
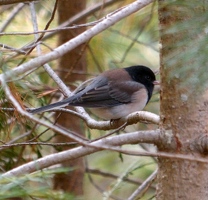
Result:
[{"x": 156, "y": 82}]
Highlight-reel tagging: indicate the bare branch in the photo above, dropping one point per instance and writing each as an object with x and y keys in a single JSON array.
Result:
[
  {"x": 111, "y": 143},
  {"x": 33, "y": 13},
  {"x": 133, "y": 118},
  {"x": 108, "y": 143}
]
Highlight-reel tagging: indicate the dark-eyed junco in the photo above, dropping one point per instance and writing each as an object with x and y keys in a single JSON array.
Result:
[{"x": 113, "y": 94}]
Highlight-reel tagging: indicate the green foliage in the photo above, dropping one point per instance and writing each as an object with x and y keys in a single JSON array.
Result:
[{"x": 33, "y": 186}]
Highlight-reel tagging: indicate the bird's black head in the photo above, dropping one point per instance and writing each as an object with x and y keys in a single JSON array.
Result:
[{"x": 143, "y": 75}]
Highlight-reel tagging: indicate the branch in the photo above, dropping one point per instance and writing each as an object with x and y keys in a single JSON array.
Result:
[
  {"x": 70, "y": 45},
  {"x": 133, "y": 118},
  {"x": 35, "y": 26},
  {"x": 108, "y": 143},
  {"x": 111, "y": 143}
]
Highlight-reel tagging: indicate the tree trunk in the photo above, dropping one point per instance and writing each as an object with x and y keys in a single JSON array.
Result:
[
  {"x": 183, "y": 105},
  {"x": 73, "y": 181}
]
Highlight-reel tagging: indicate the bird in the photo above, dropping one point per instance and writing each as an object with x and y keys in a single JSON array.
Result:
[{"x": 113, "y": 94}]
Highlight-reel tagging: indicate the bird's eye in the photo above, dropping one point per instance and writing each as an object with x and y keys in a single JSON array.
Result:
[{"x": 148, "y": 78}]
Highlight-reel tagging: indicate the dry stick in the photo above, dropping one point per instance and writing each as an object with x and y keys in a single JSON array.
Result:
[{"x": 46, "y": 27}]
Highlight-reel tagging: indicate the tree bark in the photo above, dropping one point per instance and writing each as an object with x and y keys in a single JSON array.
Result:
[
  {"x": 73, "y": 181},
  {"x": 183, "y": 107}
]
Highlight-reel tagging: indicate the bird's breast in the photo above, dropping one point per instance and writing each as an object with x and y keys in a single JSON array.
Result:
[{"x": 138, "y": 102}]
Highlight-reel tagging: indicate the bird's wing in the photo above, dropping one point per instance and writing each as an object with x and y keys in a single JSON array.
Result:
[
  {"x": 98, "y": 93},
  {"x": 104, "y": 93}
]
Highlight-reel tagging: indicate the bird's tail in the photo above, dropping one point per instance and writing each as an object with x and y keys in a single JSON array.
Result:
[{"x": 59, "y": 104}]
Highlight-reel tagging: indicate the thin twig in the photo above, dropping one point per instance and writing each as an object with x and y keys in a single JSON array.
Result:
[
  {"x": 4, "y": 46},
  {"x": 110, "y": 175},
  {"x": 100, "y": 189},
  {"x": 4, "y": 146},
  {"x": 137, "y": 35},
  {"x": 119, "y": 181},
  {"x": 38, "y": 39},
  {"x": 138, "y": 193}
]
